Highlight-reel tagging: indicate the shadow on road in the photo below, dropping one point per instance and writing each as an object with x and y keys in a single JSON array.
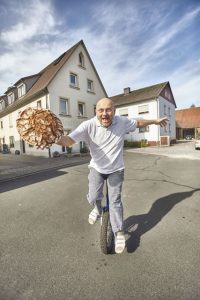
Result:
[
  {"x": 29, "y": 179},
  {"x": 147, "y": 221}
]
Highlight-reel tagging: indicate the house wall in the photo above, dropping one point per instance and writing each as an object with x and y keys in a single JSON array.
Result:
[
  {"x": 60, "y": 87},
  {"x": 8, "y": 131},
  {"x": 170, "y": 129},
  {"x": 156, "y": 110},
  {"x": 133, "y": 112}
]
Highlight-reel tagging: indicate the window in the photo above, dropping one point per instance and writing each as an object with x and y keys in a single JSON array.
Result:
[
  {"x": 11, "y": 140},
  {"x": 73, "y": 80},
  {"x": 64, "y": 106},
  {"x": 81, "y": 60},
  {"x": 81, "y": 109},
  {"x": 169, "y": 127},
  {"x": 1, "y": 124},
  {"x": 169, "y": 112},
  {"x": 11, "y": 98},
  {"x": 165, "y": 110},
  {"x": 94, "y": 110},
  {"x": 144, "y": 129},
  {"x": 21, "y": 90},
  {"x": 67, "y": 149},
  {"x": 39, "y": 104},
  {"x": 47, "y": 102},
  {"x": 2, "y": 141},
  {"x": 90, "y": 86},
  {"x": 2, "y": 105},
  {"x": 123, "y": 112},
  {"x": 83, "y": 147},
  {"x": 143, "y": 109}
]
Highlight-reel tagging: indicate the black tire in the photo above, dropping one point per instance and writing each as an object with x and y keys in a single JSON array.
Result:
[{"x": 106, "y": 234}]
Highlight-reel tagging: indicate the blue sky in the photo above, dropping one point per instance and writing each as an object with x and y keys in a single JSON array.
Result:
[{"x": 133, "y": 43}]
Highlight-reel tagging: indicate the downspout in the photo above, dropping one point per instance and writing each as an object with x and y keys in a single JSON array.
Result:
[
  {"x": 158, "y": 117},
  {"x": 47, "y": 107}
]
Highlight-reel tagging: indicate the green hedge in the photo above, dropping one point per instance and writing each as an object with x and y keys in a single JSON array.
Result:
[{"x": 135, "y": 144}]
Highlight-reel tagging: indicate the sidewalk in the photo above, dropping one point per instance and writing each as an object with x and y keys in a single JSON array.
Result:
[
  {"x": 180, "y": 150},
  {"x": 14, "y": 166}
]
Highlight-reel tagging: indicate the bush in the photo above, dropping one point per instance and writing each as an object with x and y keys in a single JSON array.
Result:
[
  {"x": 135, "y": 144},
  {"x": 56, "y": 154},
  {"x": 84, "y": 150}
]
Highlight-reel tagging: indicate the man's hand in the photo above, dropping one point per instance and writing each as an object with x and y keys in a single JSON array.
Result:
[
  {"x": 142, "y": 123},
  {"x": 65, "y": 141},
  {"x": 162, "y": 122}
]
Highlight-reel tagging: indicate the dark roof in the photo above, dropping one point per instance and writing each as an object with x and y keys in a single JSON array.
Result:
[
  {"x": 146, "y": 93},
  {"x": 24, "y": 78},
  {"x": 49, "y": 72},
  {"x": 45, "y": 77},
  {"x": 188, "y": 118}
]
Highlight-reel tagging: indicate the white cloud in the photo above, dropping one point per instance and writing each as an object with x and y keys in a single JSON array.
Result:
[
  {"x": 26, "y": 53},
  {"x": 118, "y": 39},
  {"x": 35, "y": 19},
  {"x": 186, "y": 84}
]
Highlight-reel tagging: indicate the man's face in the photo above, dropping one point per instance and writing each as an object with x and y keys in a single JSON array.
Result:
[{"x": 105, "y": 112}]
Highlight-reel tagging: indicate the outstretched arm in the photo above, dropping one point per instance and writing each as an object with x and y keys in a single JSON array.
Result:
[
  {"x": 142, "y": 123},
  {"x": 66, "y": 141}
]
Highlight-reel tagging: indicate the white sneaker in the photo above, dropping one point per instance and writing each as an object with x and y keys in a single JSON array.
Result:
[
  {"x": 93, "y": 216},
  {"x": 120, "y": 242}
]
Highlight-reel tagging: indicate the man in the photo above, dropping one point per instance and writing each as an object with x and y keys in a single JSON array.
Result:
[{"x": 104, "y": 135}]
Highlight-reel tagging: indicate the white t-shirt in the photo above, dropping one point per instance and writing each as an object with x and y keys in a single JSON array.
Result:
[{"x": 105, "y": 143}]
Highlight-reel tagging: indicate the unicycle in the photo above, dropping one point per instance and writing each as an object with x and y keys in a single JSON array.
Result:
[{"x": 106, "y": 233}]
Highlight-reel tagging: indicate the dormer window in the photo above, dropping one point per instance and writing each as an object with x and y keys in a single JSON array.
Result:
[
  {"x": 21, "y": 90},
  {"x": 2, "y": 105},
  {"x": 81, "y": 60},
  {"x": 11, "y": 98}
]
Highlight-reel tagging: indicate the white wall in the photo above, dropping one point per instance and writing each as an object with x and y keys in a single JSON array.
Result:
[
  {"x": 60, "y": 88},
  {"x": 8, "y": 131},
  {"x": 153, "y": 134},
  {"x": 156, "y": 110},
  {"x": 170, "y": 130}
]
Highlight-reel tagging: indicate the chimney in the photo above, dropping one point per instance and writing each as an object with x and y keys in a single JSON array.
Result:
[{"x": 127, "y": 91}]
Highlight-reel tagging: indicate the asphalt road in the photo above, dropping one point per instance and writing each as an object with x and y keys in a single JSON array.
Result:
[{"x": 48, "y": 250}]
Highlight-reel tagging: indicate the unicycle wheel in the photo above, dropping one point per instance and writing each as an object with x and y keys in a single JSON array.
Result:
[{"x": 106, "y": 234}]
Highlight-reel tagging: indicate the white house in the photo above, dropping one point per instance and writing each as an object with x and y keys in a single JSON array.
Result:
[
  {"x": 69, "y": 86},
  {"x": 151, "y": 102}
]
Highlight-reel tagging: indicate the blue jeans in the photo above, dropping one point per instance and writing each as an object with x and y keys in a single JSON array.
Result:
[{"x": 95, "y": 194}]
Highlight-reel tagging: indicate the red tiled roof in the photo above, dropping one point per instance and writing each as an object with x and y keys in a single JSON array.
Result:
[{"x": 188, "y": 118}]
